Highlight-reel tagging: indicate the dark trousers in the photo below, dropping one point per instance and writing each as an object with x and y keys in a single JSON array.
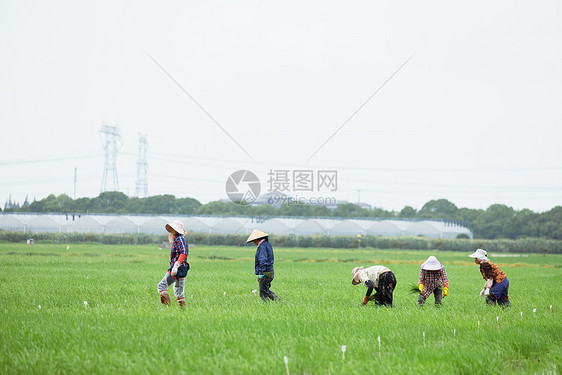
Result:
[
  {"x": 437, "y": 293},
  {"x": 499, "y": 293},
  {"x": 265, "y": 284},
  {"x": 386, "y": 285}
]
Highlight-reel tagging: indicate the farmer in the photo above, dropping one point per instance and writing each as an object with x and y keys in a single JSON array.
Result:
[
  {"x": 433, "y": 279},
  {"x": 496, "y": 286},
  {"x": 178, "y": 265},
  {"x": 264, "y": 263},
  {"x": 379, "y": 278}
]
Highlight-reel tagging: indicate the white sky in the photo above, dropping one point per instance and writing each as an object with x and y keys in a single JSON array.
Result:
[{"x": 473, "y": 117}]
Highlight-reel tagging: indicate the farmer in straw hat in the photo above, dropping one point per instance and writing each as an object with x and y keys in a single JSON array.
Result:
[
  {"x": 379, "y": 278},
  {"x": 496, "y": 286},
  {"x": 264, "y": 263},
  {"x": 433, "y": 279},
  {"x": 178, "y": 265}
]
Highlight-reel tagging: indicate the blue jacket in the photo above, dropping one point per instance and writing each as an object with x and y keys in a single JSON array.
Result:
[{"x": 264, "y": 258}]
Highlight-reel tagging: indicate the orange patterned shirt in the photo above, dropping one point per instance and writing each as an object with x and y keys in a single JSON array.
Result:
[{"x": 491, "y": 271}]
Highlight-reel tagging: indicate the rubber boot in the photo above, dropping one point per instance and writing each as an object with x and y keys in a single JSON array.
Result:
[
  {"x": 165, "y": 298},
  {"x": 181, "y": 302},
  {"x": 504, "y": 303},
  {"x": 490, "y": 300}
]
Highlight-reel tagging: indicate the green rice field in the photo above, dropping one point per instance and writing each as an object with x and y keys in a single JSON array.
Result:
[{"x": 47, "y": 328}]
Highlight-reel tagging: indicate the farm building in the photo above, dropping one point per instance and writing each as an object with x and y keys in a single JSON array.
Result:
[{"x": 105, "y": 223}]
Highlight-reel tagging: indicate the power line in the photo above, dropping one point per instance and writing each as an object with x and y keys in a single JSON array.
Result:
[
  {"x": 181, "y": 159},
  {"x": 48, "y": 159}
]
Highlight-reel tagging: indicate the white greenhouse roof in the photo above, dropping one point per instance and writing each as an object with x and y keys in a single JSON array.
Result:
[{"x": 155, "y": 224}]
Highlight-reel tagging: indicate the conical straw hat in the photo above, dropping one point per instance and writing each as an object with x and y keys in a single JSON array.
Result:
[{"x": 256, "y": 234}]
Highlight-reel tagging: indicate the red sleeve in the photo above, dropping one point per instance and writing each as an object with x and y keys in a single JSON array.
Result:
[
  {"x": 446, "y": 283},
  {"x": 182, "y": 258},
  {"x": 422, "y": 277}
]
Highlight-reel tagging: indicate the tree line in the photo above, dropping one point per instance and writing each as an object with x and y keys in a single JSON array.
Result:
[{"x": 496, "y": 222}]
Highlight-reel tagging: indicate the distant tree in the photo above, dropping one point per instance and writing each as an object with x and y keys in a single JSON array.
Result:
[
  {"x": 494, "y": 222},
  {"x": 187, "y": 206},
  {"x": 467, "y": 214},
  {"x": 379, "y": 212},
  {"x": 319, "y": 210},
  {"x": 265, "y": 210},
  {"x": 550, "y": 223},
  {"x": 35, "y": 206},
  {"x": 135, "y": 205},
  {"x": 109, "y": 202},
  {"x": 223, "y": 209},
  {"x": 408, "y": 211},
  {"x": 349, "y": 210},
  {"x": 440, "y": 208},
  {"x": 159, "y": 204},
  {"x": 302, "y": 210},
  {"x": 80, "y": 205},
  {"x": 11, "y": 206},
  {"x": 51, "y": 203}
]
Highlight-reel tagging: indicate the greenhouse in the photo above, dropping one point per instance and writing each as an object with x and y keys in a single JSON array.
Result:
[{"x": 150, "y": 224}]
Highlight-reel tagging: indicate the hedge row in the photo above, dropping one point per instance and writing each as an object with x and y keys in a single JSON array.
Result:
[
  {"x": 525, "y": 245},
  {"x": 108, "y": 239}
]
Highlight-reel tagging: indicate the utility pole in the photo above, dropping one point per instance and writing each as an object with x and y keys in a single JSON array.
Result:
[
  {"x": 112, "y": 142},
  {"x": 141, "y": 188},
  {"x": 74, "y": 183}
]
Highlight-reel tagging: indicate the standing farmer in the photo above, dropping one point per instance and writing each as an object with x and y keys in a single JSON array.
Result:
[
  {"x": 496, "y": 286},
  {"x": 178, "y": 265},
  {"x": 264, "y": 263},
  {"x": 379, "y": 278},
  {"x": 433, "y": 279}
]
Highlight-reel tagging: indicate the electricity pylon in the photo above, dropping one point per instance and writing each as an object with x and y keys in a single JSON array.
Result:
[
  {"x": 141, "y": 189},
  {"x": 112, "y": 142}
]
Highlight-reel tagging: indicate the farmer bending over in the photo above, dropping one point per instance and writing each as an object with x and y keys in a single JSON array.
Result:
[
  {"x": 496, "y": 286},
  {"x": 379, "y": 278},
  {"x": 433, "y": 279}
]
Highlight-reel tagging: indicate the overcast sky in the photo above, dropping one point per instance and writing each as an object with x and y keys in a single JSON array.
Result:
[{"x": 437, "y": 99}]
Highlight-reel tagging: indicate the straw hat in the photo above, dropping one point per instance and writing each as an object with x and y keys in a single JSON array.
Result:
[
  {"x": 479, "y": 254},
  {"x": 177, "y": 226},
  {"x": 256, "y": 235},
  {"x": 431, "y": 264},
  {"x": 355, "y": 272}
]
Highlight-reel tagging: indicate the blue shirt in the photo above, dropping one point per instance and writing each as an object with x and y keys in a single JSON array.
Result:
[
  {"x": 264, "y": 258},
  {"x": 179, "y": 246}
]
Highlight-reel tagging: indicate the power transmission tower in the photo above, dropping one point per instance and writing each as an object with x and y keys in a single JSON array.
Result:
[
  {"x": 112, "y": 142},
  {"x": 141, "y": 189}
]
